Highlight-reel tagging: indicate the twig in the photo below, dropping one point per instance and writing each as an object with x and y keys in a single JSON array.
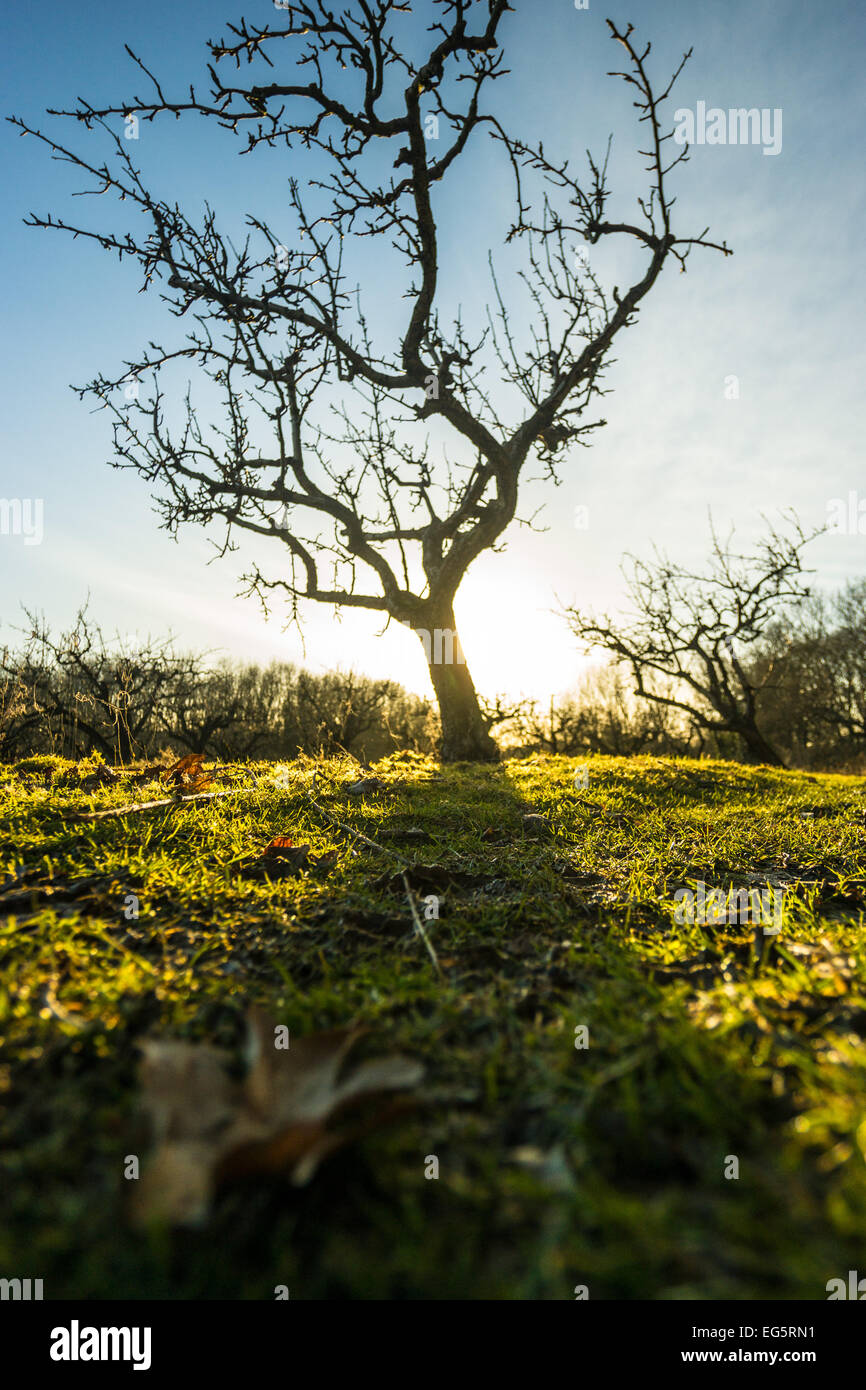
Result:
[
  {"x": 149, "y": 805},
  {"x": 419, "y": 925},
  {"x": 383, "y": 849},
  {"x": 404, "y": 865}
]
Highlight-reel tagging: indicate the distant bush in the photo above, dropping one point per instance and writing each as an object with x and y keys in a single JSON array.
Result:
[
  {"x": 79, "y": 693},
  {"x": 813, "y": 672},
  {"x": 602, "y": 715}
]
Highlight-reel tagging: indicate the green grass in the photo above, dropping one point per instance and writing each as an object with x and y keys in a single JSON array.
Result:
[{"x": 559, "y": 1166}]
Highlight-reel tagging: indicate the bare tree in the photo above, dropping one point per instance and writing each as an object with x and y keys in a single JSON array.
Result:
[
  {"x": 703, "y": 631},
  {"x": 21, "y": 714},
  {"x": 602, "y": 716},
  {"x": 86, "y": 692},
  {"x": 372, "y": 513},
  {"x": 230, "y": 710},
  {"x": 815, "y": 706},
  {"x": 840, "y": 642},
  {"x": 339, "y": 710}
]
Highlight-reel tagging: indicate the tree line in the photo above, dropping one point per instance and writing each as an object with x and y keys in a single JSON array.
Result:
[
  {"x": 80, "y": 692},
  {"x": 793, "y": 694}
]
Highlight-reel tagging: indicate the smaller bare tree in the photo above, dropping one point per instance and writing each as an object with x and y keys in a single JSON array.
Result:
[
  {"x": 818, "y": 705},
  {"x": 839, "y": 635},
  {"x": 700, "y": 631},
  {"x": 87, "y": 693}
]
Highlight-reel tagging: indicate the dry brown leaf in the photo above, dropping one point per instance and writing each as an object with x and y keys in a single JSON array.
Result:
[
  {"x": 100, "y": 777},
  {"x": 282, "y": 858},
  {"x": 294, "y": 1107},
  {"x": 172, "y": 1073},
  {"x": 283, "y": 850},
  {"x": 188, "y": 774},
  {"x": 189, "y": 765},
  {"x": 279, "y": 844},
  {"x": 200, "y": 785}
]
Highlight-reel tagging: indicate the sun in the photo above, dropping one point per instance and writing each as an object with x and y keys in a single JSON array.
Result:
[{"x": 513, "y": 640}]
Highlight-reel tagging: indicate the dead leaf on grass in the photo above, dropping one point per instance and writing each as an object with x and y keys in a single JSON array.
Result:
[
  {"x": 283, "y": 851},
  {"x": 279, "y": 844},
  {"x": 282, "y": 858},
  {"x": 187, "y": 775},
  {"x": 101, "y": 776},
  {"x": 289, "y": 1112}
]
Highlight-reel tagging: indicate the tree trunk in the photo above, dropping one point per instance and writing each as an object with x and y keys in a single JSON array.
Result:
[
  {"x": 464, "y": 734},
  {"x": 758, "y": 750}
]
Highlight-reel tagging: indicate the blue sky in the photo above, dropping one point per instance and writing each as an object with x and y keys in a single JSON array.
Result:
[{"x": 783, "y": 316}]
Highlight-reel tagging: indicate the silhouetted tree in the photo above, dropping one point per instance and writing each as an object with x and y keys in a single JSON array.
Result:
[
  {"x": 350, "y": 481},
  {"x": 85, "y": 693},
  {"x": 79, "y": 692},
  {"x": 702, "y": 633}
]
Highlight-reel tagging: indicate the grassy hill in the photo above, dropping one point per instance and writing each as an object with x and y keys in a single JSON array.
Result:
[{"x": 560, "y": 1165}]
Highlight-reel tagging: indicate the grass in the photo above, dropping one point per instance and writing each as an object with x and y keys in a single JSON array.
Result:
[{"x": 559, "y": 1165}]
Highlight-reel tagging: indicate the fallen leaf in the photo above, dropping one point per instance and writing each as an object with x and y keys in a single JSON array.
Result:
[
  {"x": 188, "y": 774},
  {"x": 282, "y": 858},
  {"x": 184, "y": 768},
  {"x": 278, "y": 844},
  {"x": 170, "y": 1070},
  {"x": 295, "y": 1106}
]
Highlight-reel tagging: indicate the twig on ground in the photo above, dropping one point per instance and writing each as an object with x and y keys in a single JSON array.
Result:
[
  {"x": 150, "y": 805},
  {"x": 404, "y": 865},
  {"x": 419, "y": 925}
]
